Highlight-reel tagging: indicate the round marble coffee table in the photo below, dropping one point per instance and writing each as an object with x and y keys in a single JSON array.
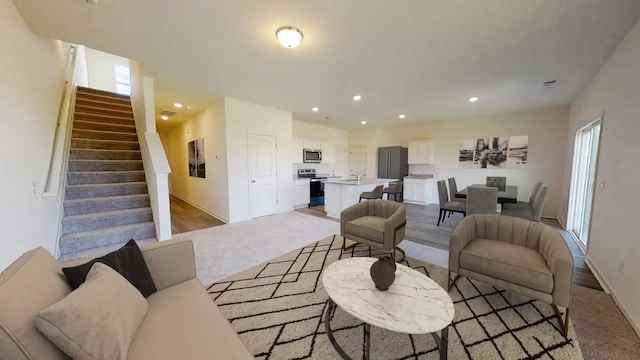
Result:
[{"x": 414, "y": 304}]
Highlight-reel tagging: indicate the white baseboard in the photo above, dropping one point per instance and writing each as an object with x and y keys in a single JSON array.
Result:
[
  {"x": 597, "y": 274},
  {"x": 226, "y": 221},
  {"x": 607, "y": 289}
]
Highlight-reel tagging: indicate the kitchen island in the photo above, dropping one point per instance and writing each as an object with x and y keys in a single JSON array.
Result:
[{"x": 342, "y": 193}]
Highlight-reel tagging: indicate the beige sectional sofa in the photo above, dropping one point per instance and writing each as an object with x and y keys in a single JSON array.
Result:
[
  {"x": 182, "y": 322},
  {"x": 524, "y": 256}
]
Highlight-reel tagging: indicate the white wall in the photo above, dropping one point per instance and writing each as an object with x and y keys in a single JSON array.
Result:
[
  {"x": 101, "y": 69},
  {"x": 242, "y": 119},
  {"x": 31, "y": 83},
  {"x": 546, "y": 128},
  {"x": 339, "y": 137},
  {"x": 614, "y": 245},
  {"x": 211, "y": 193}
]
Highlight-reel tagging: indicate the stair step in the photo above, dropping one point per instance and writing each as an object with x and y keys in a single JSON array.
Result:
[
  {"x": 100, "y": 126},
  {"x": 109, "y": 119},
  {"x": 75, "y": 242},
  {"x": 105, "y": 165},
  {"x": 78, "y": 143},
  {"x": 107, "y": 203},
  {"x": 102, "y": 98},
  {"x": 104, "y": 177},
  {"x": 86, "y": 90},
  {"x": 106, "y": 219},
  {"x": 101, "y": 251},
  {"x": 104, "y": 111},
  {"x": 73, "y": 192},
  {"x": 97, "y": 103},
  {"x": 103, "y": 135},
  {"x": 103, "y": 154}
]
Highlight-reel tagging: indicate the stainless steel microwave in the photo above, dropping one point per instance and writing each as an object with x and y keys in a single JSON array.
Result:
[{"x": 312, "y": 156}]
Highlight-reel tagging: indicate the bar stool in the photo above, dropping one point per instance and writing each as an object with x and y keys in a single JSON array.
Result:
[
  {"x": 394, "y": 189},
  {"x": 370, "y": 195}
]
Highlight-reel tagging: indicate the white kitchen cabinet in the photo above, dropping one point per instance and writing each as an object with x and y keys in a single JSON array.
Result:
[
  {"x": 328, "y": 152},
  {"x": 416, "y": 191},
  {"x": 301, "y": 193},
  {"x": 312, "y": 144},
  {"x": 296, "y": 151},
  {"x": 421, "y": 152}
]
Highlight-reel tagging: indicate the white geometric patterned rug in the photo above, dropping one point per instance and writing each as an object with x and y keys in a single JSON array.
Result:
[{"x": 278, "y": 307}]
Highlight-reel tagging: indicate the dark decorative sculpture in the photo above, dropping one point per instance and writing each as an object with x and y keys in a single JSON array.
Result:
[{"x": 383, "y": 273}]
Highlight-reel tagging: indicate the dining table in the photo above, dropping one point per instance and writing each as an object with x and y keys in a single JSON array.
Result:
[{"x": 509, "y": 195}]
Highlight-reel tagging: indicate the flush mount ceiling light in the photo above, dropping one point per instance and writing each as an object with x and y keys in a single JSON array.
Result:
[
  {"x": 402, "y": 116},
  {"x": 164, "y": 117},
  {"x": 178, "y": 105},
  {"x": 363, "y": 122},
  {"x": 357, "y": 98},
  {"x": 474, "y": 99},
  {"x": 289, "y": 36},
  {"x": 314, "y": 109}
]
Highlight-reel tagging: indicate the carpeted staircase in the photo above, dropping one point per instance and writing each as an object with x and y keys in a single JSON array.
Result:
[{"x": 106, "y": 200}]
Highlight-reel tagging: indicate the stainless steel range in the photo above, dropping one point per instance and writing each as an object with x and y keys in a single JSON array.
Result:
[{"x": 316, "y": 186}]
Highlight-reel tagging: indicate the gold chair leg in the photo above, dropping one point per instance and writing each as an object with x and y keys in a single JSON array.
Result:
[
  {"x": 450, "y": 283},
  {"x": 393, "y": 254},
  {"x": 563, "y": 324}
]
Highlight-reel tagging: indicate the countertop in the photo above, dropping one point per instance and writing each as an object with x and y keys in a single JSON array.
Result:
[
  {"x": 365, "y": 181},
  {"x": 419, "y": 176}
]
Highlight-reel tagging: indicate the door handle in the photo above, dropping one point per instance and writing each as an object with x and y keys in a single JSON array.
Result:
[{"x": 253, "y": 181}]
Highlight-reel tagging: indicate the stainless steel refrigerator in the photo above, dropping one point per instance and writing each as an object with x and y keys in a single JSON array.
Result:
[{"x": 393, "y": 162}]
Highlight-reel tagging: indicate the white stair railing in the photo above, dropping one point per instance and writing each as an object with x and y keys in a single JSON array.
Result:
[{"x": 54, "y": 185}]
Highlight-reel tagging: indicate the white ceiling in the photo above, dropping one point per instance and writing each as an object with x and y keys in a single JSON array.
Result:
[{"x": 422, "y": 58}]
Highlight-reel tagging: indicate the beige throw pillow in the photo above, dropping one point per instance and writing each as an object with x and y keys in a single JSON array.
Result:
[{"x": 98, "y": 320}]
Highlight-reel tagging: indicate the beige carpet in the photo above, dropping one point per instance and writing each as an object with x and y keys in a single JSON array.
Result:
[{"x": 277, "y": 309}]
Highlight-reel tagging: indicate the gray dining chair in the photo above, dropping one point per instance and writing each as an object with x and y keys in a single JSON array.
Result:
[
  {"x": 446, "y": 205},
  {"x": 531, "y": 210},
  {"x": 499, "y": 182},
  {"x": 453, "y": 190},
  {"x": 374, "y": 194},
  {"x": 482, "y": 200}
]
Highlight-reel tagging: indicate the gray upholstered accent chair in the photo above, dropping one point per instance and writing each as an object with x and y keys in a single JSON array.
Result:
[
  {"x": 394, "y": 189},
  {"x": 446, "y": 205},
  {"x": 377, "y": 223},
  {"x": 523, "y": 256},
  {"x": 499, "y": 182},
  {"x": 531, "y": 210},
  {"x": 376, "y": 193},
  {"x": 482, "y": 200}
]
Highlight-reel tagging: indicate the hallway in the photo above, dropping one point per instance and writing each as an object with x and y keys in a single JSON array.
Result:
[{"x": 186, "y": 217}]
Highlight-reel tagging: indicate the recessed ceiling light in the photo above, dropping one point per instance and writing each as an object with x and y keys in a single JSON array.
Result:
[
  {"x": 314, "y": 109},
  {"x": 164, "y": 117},
  {"x": 401, "y": 116},
  {"x": 178, "y": 105},
  {"x": 188, "y": 107},
  {"x": 289, "y": 36},
  {"x": 363, "y": 122},
  {"x": 474, "y": 99},
  {"x": 357, "y": 98}
]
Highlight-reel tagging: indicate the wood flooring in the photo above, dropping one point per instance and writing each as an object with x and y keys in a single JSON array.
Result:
[
  {"x": 185, "y": 217},
  {"x": 421, "y": 228}
]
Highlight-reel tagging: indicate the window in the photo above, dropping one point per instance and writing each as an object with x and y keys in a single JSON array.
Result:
[
  {"x": 123, "y": 79},
  {"x": 583, "y": 177}
]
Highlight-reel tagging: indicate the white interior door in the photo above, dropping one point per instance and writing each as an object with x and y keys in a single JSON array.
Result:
[
  {"x": 263, "y": 176},
  {"x": 358, "y": 160}
]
